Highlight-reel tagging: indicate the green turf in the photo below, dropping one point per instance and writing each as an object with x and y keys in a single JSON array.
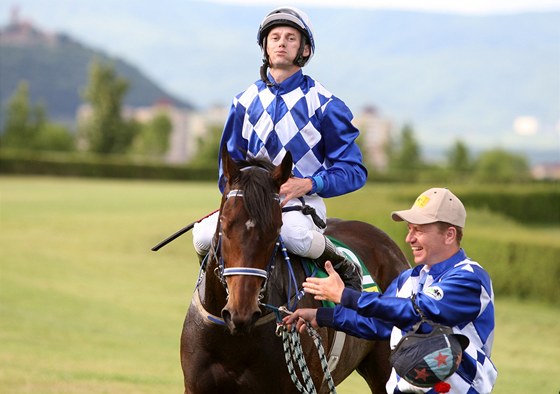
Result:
[{"x": 86, "y": 307}]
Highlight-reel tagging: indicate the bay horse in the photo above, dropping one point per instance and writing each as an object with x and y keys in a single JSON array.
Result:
[{"x": 228, "y": 341}]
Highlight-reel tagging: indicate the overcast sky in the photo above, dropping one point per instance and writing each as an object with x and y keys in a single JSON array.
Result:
[{"x": 463, "y": 7}]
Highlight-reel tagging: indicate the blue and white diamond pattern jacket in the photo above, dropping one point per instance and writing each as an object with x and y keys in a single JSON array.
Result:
[
  {"x": 456, "y": 292},
  {"x": 298, "y": 115}
]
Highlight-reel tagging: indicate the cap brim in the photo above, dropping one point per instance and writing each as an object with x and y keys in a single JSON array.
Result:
[
  {"x": 412, "y": 216},
  {"x": 463, "y": 340}
]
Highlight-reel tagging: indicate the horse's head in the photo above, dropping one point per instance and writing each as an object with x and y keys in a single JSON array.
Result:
[{"x": 250, "y": 222}]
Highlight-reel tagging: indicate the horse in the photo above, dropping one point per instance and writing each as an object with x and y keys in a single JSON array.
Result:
[{"x": 228, "y": 341}]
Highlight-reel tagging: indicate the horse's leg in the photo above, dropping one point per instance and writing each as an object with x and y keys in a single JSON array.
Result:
[{"x": 375, "y": 367}]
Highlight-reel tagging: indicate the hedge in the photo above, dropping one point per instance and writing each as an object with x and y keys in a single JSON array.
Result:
[
  {"x": 101, "y": 167},
  {"x": 528, "y": 206},
  {"x": 524, "y": 271}
]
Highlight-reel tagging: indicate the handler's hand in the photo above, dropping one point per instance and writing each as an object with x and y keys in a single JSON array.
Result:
[
  {"x": 325, "y": 289},
  {"x": 294, "y": 188},
  {"x": 300, "y": 316}
]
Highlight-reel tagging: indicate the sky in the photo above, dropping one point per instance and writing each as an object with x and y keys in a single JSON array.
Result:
[
  {"x": 151, "y": 27},
  {"x": 461, "y": 7}
]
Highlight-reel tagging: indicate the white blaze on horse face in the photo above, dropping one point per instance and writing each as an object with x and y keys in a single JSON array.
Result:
[{"x": 249, "y": 224}]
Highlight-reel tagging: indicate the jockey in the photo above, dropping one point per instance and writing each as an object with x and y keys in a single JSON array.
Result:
[{"x": 288, "y": 111}]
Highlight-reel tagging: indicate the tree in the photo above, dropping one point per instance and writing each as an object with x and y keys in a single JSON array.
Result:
[
  {"x": 459, "y": 160},
  {"x": 209, "y": 148},
  {"x": 28, "y": 128},
  {"x": 153, "y": 138},
  {"x": 23, "y": 121},
  {"x": 106, "y": 132},
  {"x": 498, "y": 165},
  {"x": 458, "y": 157},
  {"x": 54, "y": 137},
  {"x": 404, "y": 155}
]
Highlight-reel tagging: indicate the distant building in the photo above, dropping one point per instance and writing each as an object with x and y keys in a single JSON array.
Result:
[
  {"x": 376, "y": 132},
  {"x": 21, "y": 32},
  {"x": 548, "y": 171},
  {"x": 187, "y": 126}
]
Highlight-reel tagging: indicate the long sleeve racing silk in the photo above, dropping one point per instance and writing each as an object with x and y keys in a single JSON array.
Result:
[
  {"x": 298, "y": 115},
  {"x": 456, "y": 292}
]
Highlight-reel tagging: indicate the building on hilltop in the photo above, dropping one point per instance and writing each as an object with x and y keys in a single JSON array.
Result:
[{"x": 22, "y": 32}]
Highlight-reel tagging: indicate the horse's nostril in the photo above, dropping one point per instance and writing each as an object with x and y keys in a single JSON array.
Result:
[{"x": 226, "y": 315}]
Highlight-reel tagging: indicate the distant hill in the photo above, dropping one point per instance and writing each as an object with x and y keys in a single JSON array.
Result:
[{"x": 57, "y": 70}]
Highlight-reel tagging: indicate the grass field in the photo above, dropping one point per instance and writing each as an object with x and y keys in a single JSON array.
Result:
[{"x": 86, "y": 307}]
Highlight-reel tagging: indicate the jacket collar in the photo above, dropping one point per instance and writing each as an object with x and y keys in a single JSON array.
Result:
[
  {"x": 289, "y": 84},
  {"x": 443, "y": 266}
]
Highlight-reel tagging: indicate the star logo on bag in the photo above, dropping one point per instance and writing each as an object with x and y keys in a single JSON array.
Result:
[
  {"x": 441, "y": 359},
  {"x": 421, "y": 374}
]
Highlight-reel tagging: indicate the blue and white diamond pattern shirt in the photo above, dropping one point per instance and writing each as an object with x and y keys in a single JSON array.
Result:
[{"x": 300, "y": 116}]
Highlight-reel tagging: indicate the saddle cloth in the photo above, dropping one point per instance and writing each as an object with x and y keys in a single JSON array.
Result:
[{"x": 368, "y": 283}]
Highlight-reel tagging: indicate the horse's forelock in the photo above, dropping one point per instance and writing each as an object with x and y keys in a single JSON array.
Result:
[{"x": 259, "y": 192}]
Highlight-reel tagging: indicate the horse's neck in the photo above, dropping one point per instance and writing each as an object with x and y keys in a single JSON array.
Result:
[{"x": 280, "y": 288}]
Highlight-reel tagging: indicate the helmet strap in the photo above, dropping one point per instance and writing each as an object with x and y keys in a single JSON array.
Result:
[
  {"x": 300, "y": 60},
  {"x": 264, "y": 74},
  {"x": 265, "y": 65}
]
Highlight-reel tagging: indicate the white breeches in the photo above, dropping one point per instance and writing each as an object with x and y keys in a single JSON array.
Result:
[{"x": 301, "y": 236}]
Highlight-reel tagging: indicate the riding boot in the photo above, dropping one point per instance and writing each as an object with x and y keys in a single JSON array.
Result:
[{"x": 350, "y": 273}]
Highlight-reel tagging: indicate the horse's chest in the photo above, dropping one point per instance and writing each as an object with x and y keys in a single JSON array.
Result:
[{"x": 235, "y": 365}]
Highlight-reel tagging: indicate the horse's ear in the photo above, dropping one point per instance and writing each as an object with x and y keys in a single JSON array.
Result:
[
  {"x": 283, "y": 171},
  {"x": 231, "y": 170}
]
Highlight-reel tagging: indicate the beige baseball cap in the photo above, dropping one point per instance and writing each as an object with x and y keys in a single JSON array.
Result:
[{"x": 434, "y": 205}]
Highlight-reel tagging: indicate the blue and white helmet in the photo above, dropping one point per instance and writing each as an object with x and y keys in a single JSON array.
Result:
[{"x": 288, "y": 16}]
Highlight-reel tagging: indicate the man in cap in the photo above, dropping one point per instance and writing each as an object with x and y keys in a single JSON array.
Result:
[
  {"x": 288, "y": 111},
  {"x": 445, "y": 287}
]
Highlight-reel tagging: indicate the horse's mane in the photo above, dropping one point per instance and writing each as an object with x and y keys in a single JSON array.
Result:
[{"x": 259, "y": 191}]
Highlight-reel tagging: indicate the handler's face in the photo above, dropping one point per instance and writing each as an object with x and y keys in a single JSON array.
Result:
[{"x": 429, "y": 244}]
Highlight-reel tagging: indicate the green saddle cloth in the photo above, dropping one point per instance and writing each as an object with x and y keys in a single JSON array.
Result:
[{"x": 368, "y": 283}]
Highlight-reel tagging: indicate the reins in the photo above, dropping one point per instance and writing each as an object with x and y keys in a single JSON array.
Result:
[{"x": 294, "y": 352}]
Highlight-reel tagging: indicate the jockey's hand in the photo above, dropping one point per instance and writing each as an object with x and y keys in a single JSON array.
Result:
[
  {"x": 294, "y": 188},
  {"x": 299, "y": 317},
  {"x": 325, "y": 289}
]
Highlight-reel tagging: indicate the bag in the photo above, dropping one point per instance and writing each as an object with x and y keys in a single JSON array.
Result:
[{"x": 424, "y": 360}]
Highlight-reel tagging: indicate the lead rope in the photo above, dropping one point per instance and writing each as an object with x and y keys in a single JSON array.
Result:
[
  {"x": 291, "y": 339},
  {"x": 294, "y": 352}
]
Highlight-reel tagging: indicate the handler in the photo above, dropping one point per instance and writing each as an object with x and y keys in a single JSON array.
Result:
[{"x": 446, "y": 287}]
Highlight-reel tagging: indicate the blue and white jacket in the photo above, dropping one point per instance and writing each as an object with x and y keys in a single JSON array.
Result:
[
  {"x": 456, "y": 292},
  {"x": 298, "y": 115}
]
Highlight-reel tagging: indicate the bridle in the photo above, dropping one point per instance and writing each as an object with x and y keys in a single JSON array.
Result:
[
  {"x": 294, "y": 293},
  {"x": 222, "y": 272}
]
